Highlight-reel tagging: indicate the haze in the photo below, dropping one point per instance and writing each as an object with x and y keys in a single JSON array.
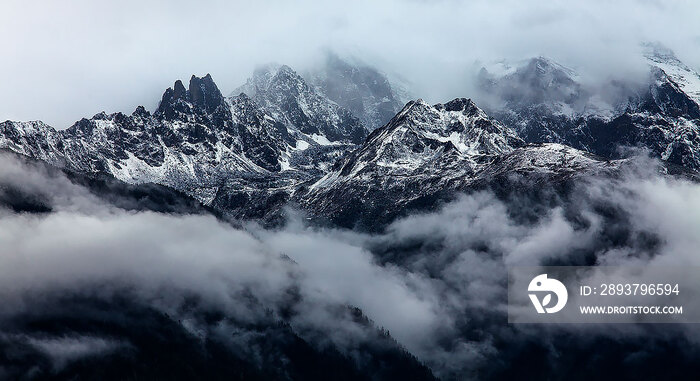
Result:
[{"x": 71, "y": 59}]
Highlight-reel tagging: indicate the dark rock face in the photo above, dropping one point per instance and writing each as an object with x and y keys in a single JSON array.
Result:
[
  {"x": 175, "y": 103},
  {"x": 205, "y": 94},
  {"x": 262, "y": 138},
  {"x": 201, "y": 108}
]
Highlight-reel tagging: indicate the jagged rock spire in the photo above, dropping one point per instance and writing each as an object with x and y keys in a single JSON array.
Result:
[{"x": 202, "y": 97}]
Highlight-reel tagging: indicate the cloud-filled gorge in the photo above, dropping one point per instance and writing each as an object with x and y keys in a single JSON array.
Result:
[{"x": 436, "y": 282}]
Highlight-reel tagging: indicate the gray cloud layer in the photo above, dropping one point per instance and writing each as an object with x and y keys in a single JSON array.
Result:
[
  {"x": 443, "y": 296},
  {"x": 65, "y": 60}
]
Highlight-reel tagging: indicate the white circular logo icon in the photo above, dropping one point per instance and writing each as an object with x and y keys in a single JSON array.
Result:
[{"x": 541, "y": 283}]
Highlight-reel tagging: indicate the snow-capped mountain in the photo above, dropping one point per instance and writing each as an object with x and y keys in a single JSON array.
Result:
[
  {"x": 234, "y": 156},
  {"x": 193, "y": 142},
  {"x": 285, "y": 95},
  {"x": 420, "y": 134},
  {"x": 546, "y": 102},
  {"x": 360, "y": 88},
  {"x": 427, "y": 154},
  {"x": 665, "y": 59},
  {"x": 538, "y": 82},
  {"x": 233, "y": 153},
  {"x": 541, "y": 99},
  {"x": 281, "y": 141}
]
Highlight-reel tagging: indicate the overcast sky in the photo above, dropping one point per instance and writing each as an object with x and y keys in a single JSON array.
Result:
[{"x": 62, "y": 60}]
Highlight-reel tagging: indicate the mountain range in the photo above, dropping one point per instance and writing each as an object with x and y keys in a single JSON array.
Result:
[
  {"x": 343, "y": 145},
  {"x": 315, "y": 142}
]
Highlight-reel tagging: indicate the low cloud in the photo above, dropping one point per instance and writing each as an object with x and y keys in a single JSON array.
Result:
[
  {"x": 436, "y": 281},
  {"x": 63, "y": 350}
]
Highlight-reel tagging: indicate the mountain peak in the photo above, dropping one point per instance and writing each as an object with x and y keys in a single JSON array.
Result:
[
  {"x": 266, "y": 78},
  {"x": 141, "y": 112},
  {"x": 269, "y": 70},
  {"x": 465, "y": 105},
  {"x": 360, "y": 88},
  {"x": 202, "y": 94},
  {"x": 658, "y": 52},
  {"x": 288, "y": 98},
  {"x": 546, "y": 73},
  {"x": 171, "y": 96},
  {"x": 538, "y": 82},
  {"x": 546, "y": 64},
  {"x": 661, "y": 57},
  {"x": 179, "y": 89},
  {"x": 284, "y": 69},
  {"x": 457, "y": 131},
  {"x": 285, "y": 74}
]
